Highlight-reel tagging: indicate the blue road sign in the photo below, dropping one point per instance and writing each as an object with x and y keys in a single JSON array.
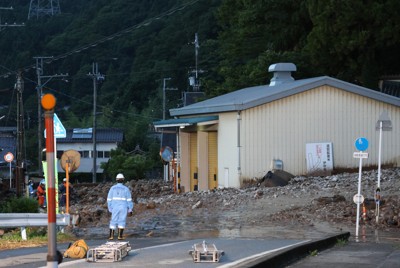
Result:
[
  {"x": 59, "y": 129},
  {"x": 361, "y": 144}
]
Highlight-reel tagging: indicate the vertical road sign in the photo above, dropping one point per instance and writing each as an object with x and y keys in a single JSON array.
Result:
[
  {"x": 59, "y": 129},
  {"x": 361, "y": 145},
  {"x": 9, "y": 157},
  {"x": 383, "y": 124}
]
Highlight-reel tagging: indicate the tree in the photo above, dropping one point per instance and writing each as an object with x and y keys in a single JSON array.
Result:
[
  {"x": 252, "y": 30},
  {"x": 353, "y": 40},
  {"x": 134, "y": 167}
]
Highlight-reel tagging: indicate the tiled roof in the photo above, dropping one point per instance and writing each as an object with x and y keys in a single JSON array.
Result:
[
  {"x": 8, "y": 141},
  {"x": 391, "y": 88},
  {"x": 8, "y": 144},
  {"x": 103, "y": 135}
]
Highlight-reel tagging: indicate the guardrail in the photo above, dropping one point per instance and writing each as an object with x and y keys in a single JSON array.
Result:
[{"x": 24, "y": 220}]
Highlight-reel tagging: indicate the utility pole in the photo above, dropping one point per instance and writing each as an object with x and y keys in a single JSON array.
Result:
[
  {"x": 163, "y": 113},
  {"x": 164, "y": 95},
  {"x": 6, "y": 24},
  {"x": 96, "y": 76},
  {"x": 20, "y": 174},
  {"x": 39, "y": 74}
]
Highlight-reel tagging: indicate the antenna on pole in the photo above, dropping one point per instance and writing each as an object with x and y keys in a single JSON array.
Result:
[
  {"x": 194, "y": 80},
  {"x": 39, "y": 8}
]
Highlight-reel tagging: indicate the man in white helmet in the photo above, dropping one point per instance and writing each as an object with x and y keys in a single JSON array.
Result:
[{"x": 119, "y": 201}]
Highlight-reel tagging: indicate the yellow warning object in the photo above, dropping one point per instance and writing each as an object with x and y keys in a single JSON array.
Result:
[{"x": 48, "y": 101}]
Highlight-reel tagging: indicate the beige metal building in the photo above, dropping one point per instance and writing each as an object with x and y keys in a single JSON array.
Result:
[{"x": 300, "y": 126}]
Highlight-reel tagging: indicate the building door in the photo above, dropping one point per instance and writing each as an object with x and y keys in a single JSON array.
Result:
[
  {"x": 212, "y": 160},
  {"x": 193, "y": 162}
]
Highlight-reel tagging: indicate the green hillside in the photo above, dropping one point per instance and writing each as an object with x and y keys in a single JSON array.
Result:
[{"x": 137, "y": 43}]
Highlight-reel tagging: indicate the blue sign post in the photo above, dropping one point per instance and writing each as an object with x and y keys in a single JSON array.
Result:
[
  {"x": 59, "y": 129},
  {"x": 361, "y": 145}
]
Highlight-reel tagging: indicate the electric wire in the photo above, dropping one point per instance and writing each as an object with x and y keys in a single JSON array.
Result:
[
  {"x": 109, "y": 37},
  {"x": 94, "y": 44}
]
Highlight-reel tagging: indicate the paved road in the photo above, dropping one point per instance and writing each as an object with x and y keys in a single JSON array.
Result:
[
  {"x": 361, "y": 253},
  {"x": 326, "y": 252},
  {"x": 156, "y": 253}
]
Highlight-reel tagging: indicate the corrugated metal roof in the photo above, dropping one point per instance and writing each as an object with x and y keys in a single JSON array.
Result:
[
  {"x": 253, "y": 96},
  {"x": 184, "y": 121},
  {"x": 105, "y": 135}
]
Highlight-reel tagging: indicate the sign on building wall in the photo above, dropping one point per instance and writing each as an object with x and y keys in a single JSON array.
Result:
[{"x": 319, "y": 158}]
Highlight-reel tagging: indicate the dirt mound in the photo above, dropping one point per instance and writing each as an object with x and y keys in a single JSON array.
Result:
[{"x": 309, "y": 204}]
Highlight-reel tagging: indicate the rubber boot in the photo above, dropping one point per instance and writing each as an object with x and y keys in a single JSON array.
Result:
[
  {"x": 120, "y": 233},
  {"x": 111, "y": 234}
]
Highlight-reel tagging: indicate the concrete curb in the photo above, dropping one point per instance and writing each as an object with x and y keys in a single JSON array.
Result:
[{"x": 289, "y": 256}]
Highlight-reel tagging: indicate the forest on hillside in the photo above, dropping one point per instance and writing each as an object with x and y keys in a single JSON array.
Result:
[{"x": 138, "y": 43}]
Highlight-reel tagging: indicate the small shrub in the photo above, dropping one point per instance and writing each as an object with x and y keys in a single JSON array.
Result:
[
  {"x": 341, "y": 242},
  {"x": 20, "y": 205},
  {"x": 314, "y": 253}
]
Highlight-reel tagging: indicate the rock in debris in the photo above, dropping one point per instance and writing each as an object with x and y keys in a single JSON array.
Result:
[
  {"x": 277, "y": 178},
  {"x": 198, "y": 204},
  {"x": 333, "y": 199},
  {"x": 151, "y": 205}
]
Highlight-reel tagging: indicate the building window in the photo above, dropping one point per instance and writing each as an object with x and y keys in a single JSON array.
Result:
[
  {"x": 100, "y": 154},
  {"x": 106, "y": 154},
  {"x": 84, "y": 154}
]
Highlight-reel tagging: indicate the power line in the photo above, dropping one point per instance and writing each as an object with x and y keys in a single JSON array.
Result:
[
  {"x": 113, "y": 36},
  {"x": 6, "y": 24},
  {"x": 101, "y": 106}
]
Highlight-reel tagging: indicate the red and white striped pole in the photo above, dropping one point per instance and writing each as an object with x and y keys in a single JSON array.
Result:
[{"x": 48, "y": 103}]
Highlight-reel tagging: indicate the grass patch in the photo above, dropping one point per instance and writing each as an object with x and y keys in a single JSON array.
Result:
[
  {"x": 314, "y": 253},
  {"x": 36, "y": 236},
  {"x": 341, "y": 242}
]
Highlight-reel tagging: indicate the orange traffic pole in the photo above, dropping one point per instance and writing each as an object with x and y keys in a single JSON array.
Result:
[
  {"x": 364, "y": 215},
  {"x": 179, "y": 178},
  {"x": 48, "y": 103},
  {"x": 173, "y": 175},
  {"x": 67, "y": 190}
]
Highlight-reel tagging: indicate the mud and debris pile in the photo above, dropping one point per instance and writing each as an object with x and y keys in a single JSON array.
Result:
[{"x": 315, "y": 204}]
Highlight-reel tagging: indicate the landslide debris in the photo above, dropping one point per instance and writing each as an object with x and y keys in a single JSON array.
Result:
[{"x": 309, "y": 204}]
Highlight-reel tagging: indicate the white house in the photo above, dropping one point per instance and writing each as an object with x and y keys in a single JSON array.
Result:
[
  {"x": 299, "y": 126},
  {"x": 81, "y": 140}
]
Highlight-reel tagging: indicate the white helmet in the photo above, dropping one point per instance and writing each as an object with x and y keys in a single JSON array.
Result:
[{"x": 120, "y": 176}]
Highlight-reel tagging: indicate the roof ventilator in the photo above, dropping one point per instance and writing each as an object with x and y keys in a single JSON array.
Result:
[{"x": 282, "y": 73}]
